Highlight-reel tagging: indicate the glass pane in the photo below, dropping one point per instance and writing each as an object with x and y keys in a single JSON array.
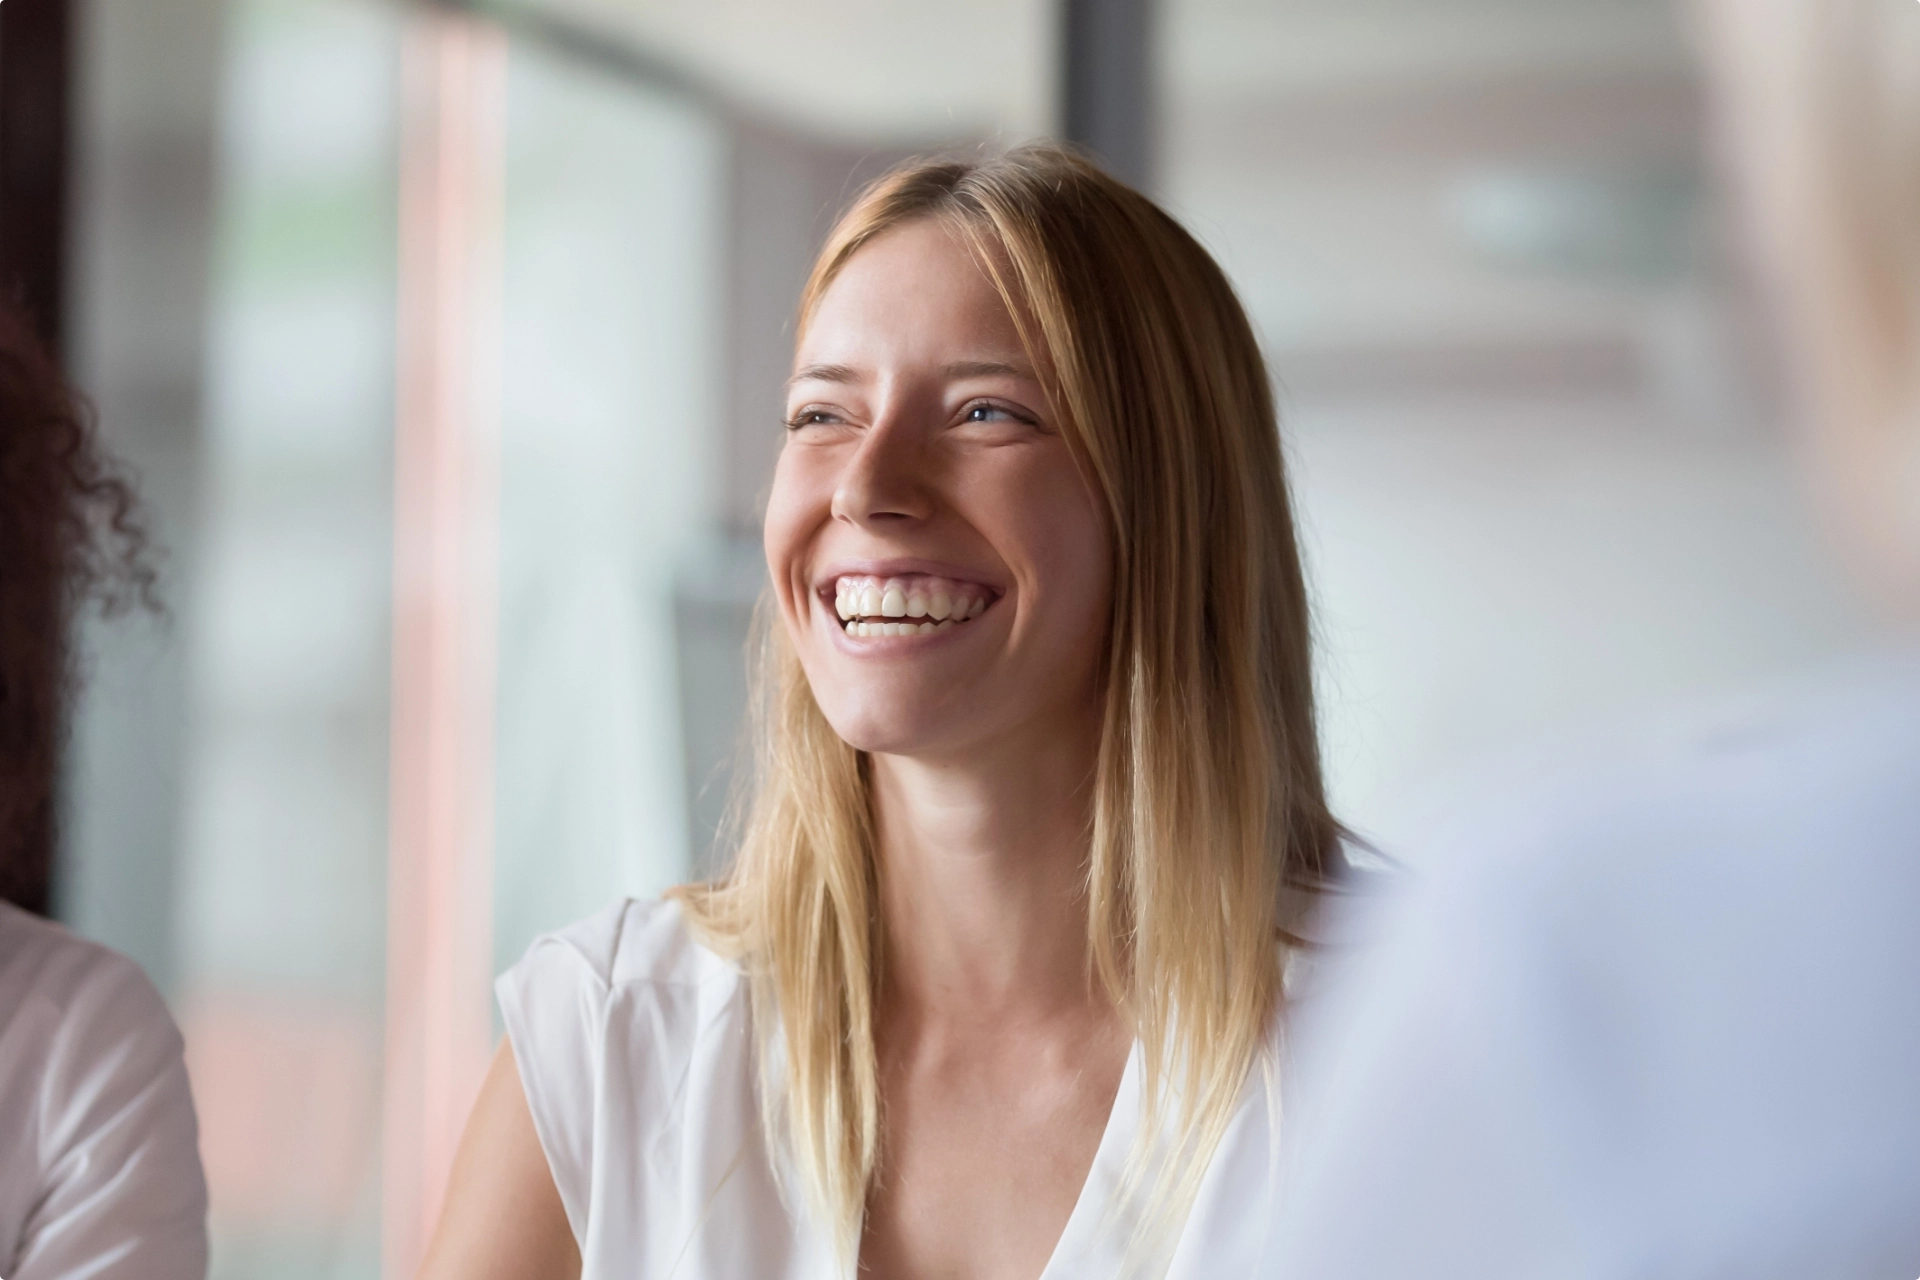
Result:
[
  {"x": 284, "y": 834},
  {"x": 610, "y": 466},
  {"x": 306, "y": 1031}
]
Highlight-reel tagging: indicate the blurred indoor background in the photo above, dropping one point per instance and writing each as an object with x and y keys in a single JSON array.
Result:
[{"x": 447, "y": 346}]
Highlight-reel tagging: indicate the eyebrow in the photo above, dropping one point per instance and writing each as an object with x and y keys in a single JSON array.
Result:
[
  {"x": 824, "y": 373},
  {"x": 959, "y": 369},
  {"x": 986, "y": 369}
]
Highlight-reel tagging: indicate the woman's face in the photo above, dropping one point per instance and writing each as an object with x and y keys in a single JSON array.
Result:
[{"x": 941, "y": 565}]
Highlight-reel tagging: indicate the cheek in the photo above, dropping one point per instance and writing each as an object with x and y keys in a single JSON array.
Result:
[
  {"x": 800, "y": 499},
  {"x": 1061, "y": 525},
  {"x": 1081, "y": 562}
]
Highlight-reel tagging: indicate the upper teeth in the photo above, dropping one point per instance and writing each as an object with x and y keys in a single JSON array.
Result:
[{"x": 940, "y": 600}]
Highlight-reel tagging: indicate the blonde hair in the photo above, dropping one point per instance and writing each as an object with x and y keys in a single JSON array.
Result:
[{"x": 1208, "y": 799}]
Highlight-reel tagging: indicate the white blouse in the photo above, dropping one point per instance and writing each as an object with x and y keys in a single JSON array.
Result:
[
  {"x": 636, "y": 1054},
  {"x": 99, "y": 1152}
]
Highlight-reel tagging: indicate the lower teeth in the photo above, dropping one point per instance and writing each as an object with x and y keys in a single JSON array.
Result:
[{"x": 874, "y": 629}]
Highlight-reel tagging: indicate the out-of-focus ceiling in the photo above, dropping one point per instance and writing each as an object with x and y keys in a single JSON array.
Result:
[
  {"x": 880, "y": 71},
  {"x": 907, "y": 70},
  {"x": 1448, "y": 195},
  {"x": 1250, "y": 48},
  {"x": 1406, "y": 176}
]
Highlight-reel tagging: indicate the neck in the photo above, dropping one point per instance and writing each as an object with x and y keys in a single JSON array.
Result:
[{"x": 982, "y": 878}]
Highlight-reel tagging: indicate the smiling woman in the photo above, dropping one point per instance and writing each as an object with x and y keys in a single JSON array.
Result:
[{"x": 994, "y": 985}]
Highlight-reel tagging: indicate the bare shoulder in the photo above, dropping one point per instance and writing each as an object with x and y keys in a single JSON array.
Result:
[{"x": 503, "y": 1219}]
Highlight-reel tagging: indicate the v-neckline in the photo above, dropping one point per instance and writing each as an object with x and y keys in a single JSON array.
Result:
[{"x": 1082, "y": 1242}]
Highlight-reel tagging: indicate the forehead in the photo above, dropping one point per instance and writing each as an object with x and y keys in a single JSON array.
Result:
[{"x": 916, "y": 291}]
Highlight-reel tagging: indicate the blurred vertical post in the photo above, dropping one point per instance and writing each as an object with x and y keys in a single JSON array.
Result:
[
  {"x": 35, "y": 55},
  {"x": 446, "y": 495},
  {"x": 35, "y": 60},
  {"x": 1107, "y": 81}
]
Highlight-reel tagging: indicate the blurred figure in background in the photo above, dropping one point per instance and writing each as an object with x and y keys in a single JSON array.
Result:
[
  {"x": 1663, "y": 1020},
  {"x": 99, "y": 1162}
]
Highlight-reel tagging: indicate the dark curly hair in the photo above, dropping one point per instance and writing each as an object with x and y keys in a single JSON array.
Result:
[{"x": 70, "y": 533}]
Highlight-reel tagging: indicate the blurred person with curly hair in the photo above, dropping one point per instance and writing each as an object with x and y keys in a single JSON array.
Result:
[{"x": 99, "y": 1162}]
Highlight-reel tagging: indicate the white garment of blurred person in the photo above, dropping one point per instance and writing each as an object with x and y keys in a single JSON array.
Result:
[
  {"x": 1661, "y": 1018},
  {"x": 99, "y": 1152}
]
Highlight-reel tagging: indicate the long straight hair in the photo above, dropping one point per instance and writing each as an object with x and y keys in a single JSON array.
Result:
[{"x": 1208, "y": 801}]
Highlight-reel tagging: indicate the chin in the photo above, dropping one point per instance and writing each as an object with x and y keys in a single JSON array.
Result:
[{"x": 891, "y": 729}]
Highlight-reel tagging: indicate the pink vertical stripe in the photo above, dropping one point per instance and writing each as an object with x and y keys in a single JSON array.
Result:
[{"x": 439, "y": 923}]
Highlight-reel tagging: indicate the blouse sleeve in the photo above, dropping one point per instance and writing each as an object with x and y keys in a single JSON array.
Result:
[
  {"x": 554, "y": 1004},
  {"x": 123, "y": 1194}
]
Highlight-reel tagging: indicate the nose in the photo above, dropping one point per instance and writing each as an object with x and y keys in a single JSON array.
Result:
[{"x": 883, "y": 485}]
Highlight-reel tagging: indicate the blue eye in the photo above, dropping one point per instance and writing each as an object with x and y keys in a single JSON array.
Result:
[{"x": 991, "y": 413}]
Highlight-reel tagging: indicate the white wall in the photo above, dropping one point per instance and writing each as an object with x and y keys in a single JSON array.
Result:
[{"x": 1494, "y": 576}]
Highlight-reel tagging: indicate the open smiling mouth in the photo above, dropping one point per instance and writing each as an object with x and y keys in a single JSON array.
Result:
[{"x": 906, "y": 606}]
